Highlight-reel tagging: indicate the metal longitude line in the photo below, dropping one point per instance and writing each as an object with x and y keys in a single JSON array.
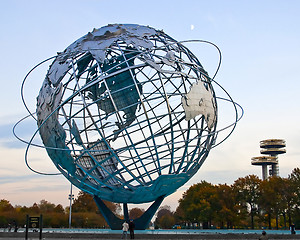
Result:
[
  {"x": 120, "y": 119},
  {"x": 143, "y": 105},
  {"x": 170, "y": 119},
  {"x": 125, "y": 129},
  {"x": 156, "y": 118},
  {"x": 197, "y": 145},
  {"x": 149, "y": 147},
  {"x": 91, "y": 116}
]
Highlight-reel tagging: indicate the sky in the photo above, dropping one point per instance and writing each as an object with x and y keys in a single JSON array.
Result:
[{"x": 260, "y": 69}]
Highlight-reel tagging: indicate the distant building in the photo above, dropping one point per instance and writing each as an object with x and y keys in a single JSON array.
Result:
[{"x": 272, "y": 148}]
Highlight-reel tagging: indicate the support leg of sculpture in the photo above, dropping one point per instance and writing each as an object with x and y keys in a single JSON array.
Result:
[{"x": 115, "y": 223}]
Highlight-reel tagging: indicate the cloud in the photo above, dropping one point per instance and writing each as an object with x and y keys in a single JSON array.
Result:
[
  {"x": 6, "y": 131},
  {"x": 31, "y": 183},
  {"x": 12, "y": 144},
  {"x": 24, "y": 130},
  {"x": 14, "y": 179}
]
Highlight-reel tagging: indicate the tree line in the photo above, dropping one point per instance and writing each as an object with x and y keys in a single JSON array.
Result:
[
  {"x": 85, "y": 213},
  {"x": 248, "y": 203}
]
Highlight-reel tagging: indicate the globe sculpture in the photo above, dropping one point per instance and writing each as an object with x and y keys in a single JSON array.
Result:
[{"x": 127, "y": 114}]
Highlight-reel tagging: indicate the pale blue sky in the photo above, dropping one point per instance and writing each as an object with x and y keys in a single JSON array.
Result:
[{"x": 259, "y": 41}]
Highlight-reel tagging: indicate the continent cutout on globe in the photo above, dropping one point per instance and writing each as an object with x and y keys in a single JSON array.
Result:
[
  {"x": 199, "y": 101},
  {"x": 122, "y": 86}
]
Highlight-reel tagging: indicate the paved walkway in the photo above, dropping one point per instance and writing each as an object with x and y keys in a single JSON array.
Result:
[
  {"x": 89, "y": 236},
  {"x": 270, "y": 238}
]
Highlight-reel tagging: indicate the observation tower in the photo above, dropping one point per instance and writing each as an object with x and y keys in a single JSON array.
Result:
[{"x": 271, "y": 148}]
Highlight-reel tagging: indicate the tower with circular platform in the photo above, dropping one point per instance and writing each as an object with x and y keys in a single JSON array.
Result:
[{"x": 271, "y": 148}]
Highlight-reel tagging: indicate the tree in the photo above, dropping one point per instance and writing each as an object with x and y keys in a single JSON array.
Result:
[
  {"x": 86, "y": 212},
  {"x": 166, "y": 221},
  {"x": 163, "y": 210},
  {"x": 59, "y": 209},
  {"x": 7, "y": 213},
  {"x": 247, "y": 192},
  {"x": 164, "y": 217},
  {"x": 198, "y": 203},
  {"x": 271, "y": 197},
  {"x": 289, "y": 196},
  {"x": 135, "y": 213},
  {"x": 294, "y": 178},
  {"x": 46, "y": 206},
  {"x": 84, "y": 203},
  {"x": 179, "y": 215},
  {"x": 5, "y": 206},
  {"x": 35, "y": 209},
  {"x": 114, "y": 207},
  {"x": 227, "y": 207}
]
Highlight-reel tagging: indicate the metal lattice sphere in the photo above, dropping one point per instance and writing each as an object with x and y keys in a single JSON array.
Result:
[{"x": 127, "y": 113}]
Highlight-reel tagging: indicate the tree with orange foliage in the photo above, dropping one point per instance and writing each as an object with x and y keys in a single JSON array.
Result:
[
  {"x": 136, "y": 212},
  {"x": 247, "y": 192}
]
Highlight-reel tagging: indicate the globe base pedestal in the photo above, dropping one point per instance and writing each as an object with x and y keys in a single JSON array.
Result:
[{"x": 115, "y": 223}]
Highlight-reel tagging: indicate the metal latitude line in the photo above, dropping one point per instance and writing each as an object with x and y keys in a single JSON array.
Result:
[
  {"x": 166, "y": 151},
  {"x": 99, "y": 78},
  {"x": 98, "y": 164}
]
